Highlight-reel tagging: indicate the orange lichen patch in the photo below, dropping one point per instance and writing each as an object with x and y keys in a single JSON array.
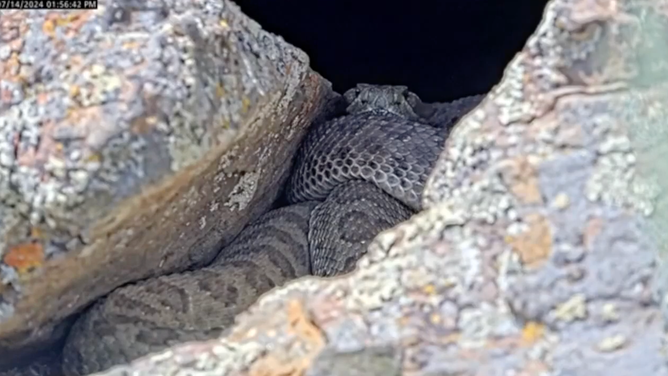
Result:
[
  {"x": 453, "y": 337},
  {"x": 535, "y": 245},
  {"x": 84, "y": 116},
  {"x": 143, "y": 124},
  {"x": 429, "y": 289},
  {"x": 31, "y": 156},
  {"x": 93, "y": 158},
  {"x": 36, "y": 233},
  {"x": 10, "y": 70},
  {"x": 403, "y": 321},
  {"x": 25, "y": 257},
  {"x": 10, "y": 66},
  {"x": 75, "y": 21},
  {"x": 245, "y": 105},
  {"x": 592, "y": 229},
  {"x": 42, "y": 98},
  {"x": 75, "y": 62},
  {"x": 130, "y": 45},
  {"x": 71, "y": 21},
  {"x": 521, "y": 178},
  {"x": 49, "y": 27},
  {"x": 74, "y": 91},
  {"x": 271, "y": 366},
  {"x": 300, "y": 324},
  {"x": 220, "y": 91},
  {"x": 5, "y": 95},
  {"x": 532, "y": 332}
]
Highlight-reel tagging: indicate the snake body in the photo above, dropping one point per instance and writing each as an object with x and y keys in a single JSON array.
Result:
[
  {"x": 353, "y": 177},
  {"x": 150, "y": 315},
  {"x": 391, "y": 152}
]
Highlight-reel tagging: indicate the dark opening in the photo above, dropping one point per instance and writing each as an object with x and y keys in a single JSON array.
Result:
[{"x": 441, "y": 49}]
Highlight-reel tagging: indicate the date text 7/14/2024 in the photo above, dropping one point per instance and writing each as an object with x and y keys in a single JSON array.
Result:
[{"x": 48, "y": 4}]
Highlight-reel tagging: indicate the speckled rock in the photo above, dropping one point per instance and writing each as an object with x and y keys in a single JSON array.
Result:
[
  {"x": 135, "y": 140},
  {"x": 532, "y": 256}
]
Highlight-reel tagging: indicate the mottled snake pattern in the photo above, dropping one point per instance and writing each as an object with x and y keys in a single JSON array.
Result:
[{"x": 353, "y": 177}]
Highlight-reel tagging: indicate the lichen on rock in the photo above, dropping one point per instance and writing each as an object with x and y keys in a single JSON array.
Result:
[
  {"x": 533, "y": 254},
  {"x": 123, "y": 132}
]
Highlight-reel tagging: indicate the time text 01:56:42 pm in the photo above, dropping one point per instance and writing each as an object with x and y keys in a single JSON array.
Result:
[{"x": 48, "y": 4}]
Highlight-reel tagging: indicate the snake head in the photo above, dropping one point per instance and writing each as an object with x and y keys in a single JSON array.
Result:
[{"x": 396, "y": 99}]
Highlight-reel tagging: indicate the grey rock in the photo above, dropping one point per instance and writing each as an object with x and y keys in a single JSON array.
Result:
[
  {"x": 142, "y": 154},
  {"x": 549, "y": 163}
]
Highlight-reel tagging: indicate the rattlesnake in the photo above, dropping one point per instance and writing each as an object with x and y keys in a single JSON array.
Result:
[{"x": 353, "y": 177}]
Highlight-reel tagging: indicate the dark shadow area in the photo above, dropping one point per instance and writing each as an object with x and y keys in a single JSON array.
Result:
[{"x": 442, "y": 50}]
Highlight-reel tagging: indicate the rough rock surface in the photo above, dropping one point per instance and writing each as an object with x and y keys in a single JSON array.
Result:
[
  {"x": 532, "y": 255},
  {"x": 135, "y": 140}
]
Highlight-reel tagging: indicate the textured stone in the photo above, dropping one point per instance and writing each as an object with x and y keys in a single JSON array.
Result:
[
  {"x": 135, "y": 140},
  {"x": 551, "y": 156}
]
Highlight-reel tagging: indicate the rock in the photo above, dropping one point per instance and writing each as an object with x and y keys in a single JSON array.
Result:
[
  {"x": 135, "y": 140},
  {"x": 369, "y": 361},
  {"x": 532, "y": 255}
]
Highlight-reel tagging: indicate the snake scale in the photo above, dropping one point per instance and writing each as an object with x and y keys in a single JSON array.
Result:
[{"x": 353, "y": 177}]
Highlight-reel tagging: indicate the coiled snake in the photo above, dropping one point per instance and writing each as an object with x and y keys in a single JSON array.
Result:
[{"x": 353, "y": 177}]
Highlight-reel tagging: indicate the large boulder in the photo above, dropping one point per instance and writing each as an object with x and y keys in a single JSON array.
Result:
[
  {"x": 533, "y": 255},
  {"x": 135, "y": 140}
]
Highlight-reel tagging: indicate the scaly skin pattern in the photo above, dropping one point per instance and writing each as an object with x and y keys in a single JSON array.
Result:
[
  {"x": 377, "y": 145},
  {"x": 153, "y": 314},
  {"x": 381, "y": 141},
  {"x": 392, "y": 152},
  {"x": 388, "y": 157},
  {"x": 343, "y": 225}
]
